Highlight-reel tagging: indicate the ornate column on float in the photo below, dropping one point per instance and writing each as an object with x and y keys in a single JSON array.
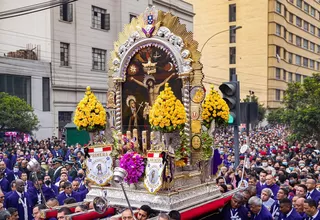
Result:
[{"x": 168, "y": 116}]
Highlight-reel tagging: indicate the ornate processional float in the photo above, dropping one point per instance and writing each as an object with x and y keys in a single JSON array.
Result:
[{"x": 160, "y": 122}]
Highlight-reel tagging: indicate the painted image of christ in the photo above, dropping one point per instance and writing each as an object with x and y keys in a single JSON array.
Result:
[{"x": 149, "y": 84}]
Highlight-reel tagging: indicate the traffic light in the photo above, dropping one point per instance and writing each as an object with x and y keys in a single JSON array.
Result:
[{"x": 231, "y": 94}]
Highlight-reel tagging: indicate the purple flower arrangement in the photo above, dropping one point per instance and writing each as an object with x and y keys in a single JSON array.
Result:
[{"x": 133, "y": 163}]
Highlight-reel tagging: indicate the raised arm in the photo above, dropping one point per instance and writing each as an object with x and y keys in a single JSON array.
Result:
[
  {"x": 166, "y": 80},
  {"x": 138, "y": 82}
]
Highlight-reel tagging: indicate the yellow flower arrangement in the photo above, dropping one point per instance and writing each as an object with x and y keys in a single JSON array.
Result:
[
  {"x": 167, "y": 113},
  {"x": 90, "y": 114},
  {"x": 214, "y": 108}
]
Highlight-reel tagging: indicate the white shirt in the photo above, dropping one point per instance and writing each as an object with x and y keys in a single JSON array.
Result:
[
  {"x": 289, "y": 213},
  {"x": 314, "y": 216}
]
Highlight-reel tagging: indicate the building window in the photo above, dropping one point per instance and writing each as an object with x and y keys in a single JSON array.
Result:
[
  {"x": 313, "y": 12},
  {"x": 318, "y": 51},
  {"x": 306, "y": 26},
  {"x": 284, "y": 75},
  {"x": 290, "y": 17},
  {"x": 298, "y": 22},
  {"x": 290, "y": 57},
  {"x": 232, "y": 55},
  {"x": 64, "y": 54},
  {"x": 278, "y": 30},
  {"x": 305, "y": 44},
  {"x": 284, "y": 33},
  {"x": 312, "y": 29},
  {"x": 66, "y": 12},
  {"x": 290, "y": 37},
  {"x": 291, "y": 1},
  {"x": 232, "y": 34},
  {"x": 290, "y": 77},
  {"x": 278, "y": 7},
  {"x": 306, "y": 7},
  {"x": 319, "y": 29},
  {"x": 278, "y": 73},
  {"x": 298, "y": 60},
  {"x": 64, "y": 118},
  {"x": 298, "y": 41},
  {"x": 318, "y": 66},
  {"x": 298, "y": 77},
  {"x": 232, "y": 71},
  {"x": 45, "y": 94},
  {"x": 278, "y": 50},
  {"x": 278, "y": 94},
  {"x": 98, "y": 59},
  {"x": 232, "y": 13},
  {"x": 312, "y": 64},
  {"x": 16, "y": 85},
  {"x": 299, "y": 3},
  {"x": 312, "y": 46},
  {"x": 132, "y": 17},
  {"x": 305, "y": 62},
  {"x": 100, "y": 18}
]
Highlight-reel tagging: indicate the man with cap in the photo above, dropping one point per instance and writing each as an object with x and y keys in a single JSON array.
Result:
[
  {"x": 21, "y": 201},
  {"x": 57, "y": 165},
  {"x": 144, "y": 212},
  {"x": 70, "y": 169},
  {"x": 312, "y": 193},
  {"x": 287, "y": 211},
  {"x": 234, "y": 209}
]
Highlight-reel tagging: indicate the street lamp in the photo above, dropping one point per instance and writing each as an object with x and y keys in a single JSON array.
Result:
[{"x": 234, "y": 28}]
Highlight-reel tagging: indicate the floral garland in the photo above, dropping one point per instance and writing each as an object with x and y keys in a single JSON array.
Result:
[
  {"x": 167, "y": 113},
  {"x": 182, "y": 153},
  {"x": 133, "y": 163},
  {"x": 206, "y": 146},
  {"x": 90, "y": 114},
  {"x": 214, "y": 108}
]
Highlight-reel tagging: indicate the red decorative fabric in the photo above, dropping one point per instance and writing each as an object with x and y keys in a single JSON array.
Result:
[{"x": 205, "y": 209}]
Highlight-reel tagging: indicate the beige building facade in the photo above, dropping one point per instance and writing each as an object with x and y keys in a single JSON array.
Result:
[{"x": 278, "y": 42}]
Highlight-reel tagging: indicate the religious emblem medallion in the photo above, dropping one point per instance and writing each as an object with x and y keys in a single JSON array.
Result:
[
  {"x": 154, "y": 169},
  {"x": 197, "y": 94},
  {"x": 99, "y": 165},
  {"x": 195, "y": 112}
]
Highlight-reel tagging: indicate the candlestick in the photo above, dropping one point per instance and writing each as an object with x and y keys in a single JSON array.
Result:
[{"x": 144, "y": 142}]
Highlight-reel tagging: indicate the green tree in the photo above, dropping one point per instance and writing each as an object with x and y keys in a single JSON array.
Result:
[
  {"x": 302, "y": 109},
  {"x": 16, "y": 114},
  {"x": 261, "y": 109},
  {"x": 276, "y": 116}
]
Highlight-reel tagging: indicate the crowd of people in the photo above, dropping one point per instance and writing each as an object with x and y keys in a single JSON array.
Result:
[
  {"x": 61, "y": 178},
  {"x": 276, "y": 179}
]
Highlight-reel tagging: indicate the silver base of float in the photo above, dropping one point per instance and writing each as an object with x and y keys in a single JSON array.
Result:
[{"x": 164, "y": 200}]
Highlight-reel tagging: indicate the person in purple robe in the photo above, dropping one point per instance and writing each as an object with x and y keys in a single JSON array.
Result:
[
  {"x": 258, "y": 211},
  {"x": 16, "y": 172},
  {"x": 311, "y": 210},
  {"x": 312, "y": 193},
  {"x": 270, "y": 183},
  {"x": 67, "y": 192},
  {"x": 7, "y": 172},
  {"x": 262, "y": 181},
  {"x": 287, "y": 212},
  {"x": 21, "y": 201},
  {"x": 234, "y": 209},
  {"x": 275, "y": 211}
]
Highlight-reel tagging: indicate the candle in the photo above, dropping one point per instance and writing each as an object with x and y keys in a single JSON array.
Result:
[
  {"x": 144, "y": 142},
  {"x": 135, "y": 138},
  {"x": 152, "y": 140}
]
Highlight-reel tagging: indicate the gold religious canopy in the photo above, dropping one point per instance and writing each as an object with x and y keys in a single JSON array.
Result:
[{"x": 154, "y": 49}]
